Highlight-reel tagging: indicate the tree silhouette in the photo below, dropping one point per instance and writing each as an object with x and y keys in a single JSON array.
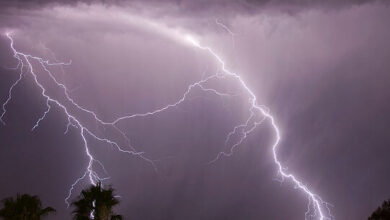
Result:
[
  {"x": 96, "y": 203},
  {"x": 24, "y": 207},
  {"x": 382, "y": 212}
]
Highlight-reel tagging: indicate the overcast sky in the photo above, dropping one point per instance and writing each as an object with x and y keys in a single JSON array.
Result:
[{"x": 321, "y": 67}]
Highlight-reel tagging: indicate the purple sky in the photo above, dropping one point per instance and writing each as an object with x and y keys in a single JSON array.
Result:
[{"x": 322, "y": 68}]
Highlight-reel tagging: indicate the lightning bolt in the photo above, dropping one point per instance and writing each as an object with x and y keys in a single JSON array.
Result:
[
  {"x": 316, "y": 209},
  {"x": 25, "y": 61},
  {"x": 230, "y": 32}
]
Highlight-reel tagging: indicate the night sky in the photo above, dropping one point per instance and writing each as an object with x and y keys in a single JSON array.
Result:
[{"x": 322, "y": 68}]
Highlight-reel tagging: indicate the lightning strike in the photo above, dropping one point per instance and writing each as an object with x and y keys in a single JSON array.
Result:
[
  {"x": 316, "y": 209},
  {"x": 230, "y": 32},
  {"x": 320, "y": 208},
  {"x": 10, "y": 96},
  {"x": 25, "y": 62}
]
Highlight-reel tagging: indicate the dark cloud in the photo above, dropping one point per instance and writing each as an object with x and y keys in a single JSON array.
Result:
[{"x": 206, "y": 7}]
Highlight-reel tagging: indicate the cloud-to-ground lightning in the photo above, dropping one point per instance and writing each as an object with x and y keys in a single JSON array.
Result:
[
  {"x": 25, "y": 61},
  {"x": 317, "y": 208}
]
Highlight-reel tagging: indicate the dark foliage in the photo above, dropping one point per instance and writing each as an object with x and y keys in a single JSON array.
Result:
[
  {"x": 97, "y": 202},
  {"x": 24, "y": 207},
  {"x": 382, "y": 212}
]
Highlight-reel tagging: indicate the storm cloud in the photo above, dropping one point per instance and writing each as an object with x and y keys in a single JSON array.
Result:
[{"x": 321, "y": 67}]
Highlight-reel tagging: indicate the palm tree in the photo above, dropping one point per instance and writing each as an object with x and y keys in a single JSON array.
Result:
[
  {"x": 381, "y": 213},
  {"x": 25, "y": 207},
  {"x": 96, "y": 203}
]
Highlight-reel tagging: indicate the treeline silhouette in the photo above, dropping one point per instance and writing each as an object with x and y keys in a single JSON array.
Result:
[
  {"x": 97, "y": 203},
  {"x": 382, "y": 212},
  {"x": 94, "y": 202}
]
